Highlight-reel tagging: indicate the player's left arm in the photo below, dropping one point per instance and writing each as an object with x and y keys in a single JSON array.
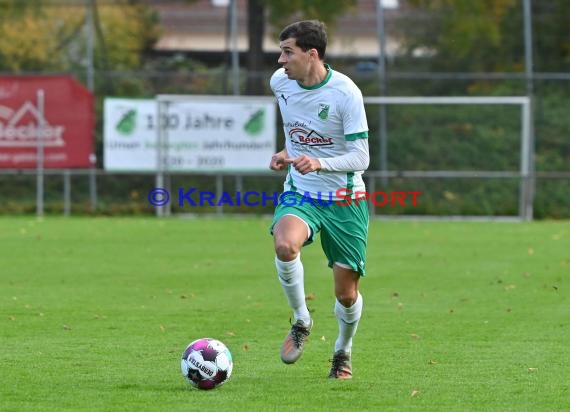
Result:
[
  {"x": 355, "y": 128},
  {"x": 356, "y": 158}
]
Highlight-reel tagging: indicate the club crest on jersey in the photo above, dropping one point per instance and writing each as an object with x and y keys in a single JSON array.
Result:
[{"x": 324, "y": 111}]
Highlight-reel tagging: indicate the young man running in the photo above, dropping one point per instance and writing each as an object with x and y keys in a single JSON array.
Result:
[{"x": 325, "y": 154}]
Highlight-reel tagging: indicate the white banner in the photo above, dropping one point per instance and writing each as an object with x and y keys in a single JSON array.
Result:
[{"x": 199, "y": 135}]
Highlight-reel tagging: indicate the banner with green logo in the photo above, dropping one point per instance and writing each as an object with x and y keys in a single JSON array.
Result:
[{"x": 197, "y": 134}]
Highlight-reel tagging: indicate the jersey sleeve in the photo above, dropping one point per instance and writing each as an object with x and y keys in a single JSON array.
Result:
[
  {"x": 275, "y": 79},
  {"x": 353, "y": 115},
  {"x": 357, "y": 158}
]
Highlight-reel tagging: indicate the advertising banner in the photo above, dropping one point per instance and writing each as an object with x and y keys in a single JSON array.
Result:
[
  {"x": 66, "y": 132},
  {"x": 199, "y": 134}
]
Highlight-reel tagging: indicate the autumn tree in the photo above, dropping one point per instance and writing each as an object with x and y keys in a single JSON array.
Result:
[
  {"x": 49, "y": 35},
  {"x": 279, "y": 13},
  {"x": 488, "y": 35}
]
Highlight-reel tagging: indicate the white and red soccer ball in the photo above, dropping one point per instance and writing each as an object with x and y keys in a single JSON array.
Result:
[{"x": 206, "y": 363}]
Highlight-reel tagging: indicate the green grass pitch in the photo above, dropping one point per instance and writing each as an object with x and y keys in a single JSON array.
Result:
[{"x": 95, "y": 314}]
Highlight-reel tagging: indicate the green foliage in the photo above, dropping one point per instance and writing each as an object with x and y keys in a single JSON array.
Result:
[
  {"x": 468, "y": 36},
  {"x": 487, "y": 35},
  {"x": 426, "y": 138},
  {"x": 44, "y": 36},
  {"x": 284, "y": 12},
  {"x": 9, "y": 8},
  {"x": 128, "y": 32}
]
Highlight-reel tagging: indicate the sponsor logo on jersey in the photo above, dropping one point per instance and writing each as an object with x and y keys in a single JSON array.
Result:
[{"x": 305, "y": 138}]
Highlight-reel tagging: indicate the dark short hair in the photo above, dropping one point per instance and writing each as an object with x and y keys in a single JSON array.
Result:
[{"x": 308, "y": 34}]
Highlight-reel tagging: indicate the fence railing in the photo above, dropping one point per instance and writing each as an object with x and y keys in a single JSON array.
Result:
[{"x": 218, "y": 184}]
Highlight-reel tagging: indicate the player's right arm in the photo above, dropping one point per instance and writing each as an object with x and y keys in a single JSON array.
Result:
[{"x": 278, "y": 160}]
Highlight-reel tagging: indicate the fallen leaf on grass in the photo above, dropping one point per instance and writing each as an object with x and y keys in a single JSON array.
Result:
[
  {"x": 187, "y": 296},
  {"x": 310, "y": 296}
]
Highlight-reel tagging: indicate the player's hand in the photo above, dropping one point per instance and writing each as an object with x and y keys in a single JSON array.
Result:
[
  {"x": 304, "y": 164},
  {"x": 278, "y": 161}
]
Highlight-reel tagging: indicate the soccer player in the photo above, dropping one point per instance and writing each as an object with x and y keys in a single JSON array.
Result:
[{"x": 325, "y": 154}]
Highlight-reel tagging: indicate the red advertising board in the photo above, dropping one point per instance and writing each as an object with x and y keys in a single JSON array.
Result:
[{"x": 67, "y": 130}]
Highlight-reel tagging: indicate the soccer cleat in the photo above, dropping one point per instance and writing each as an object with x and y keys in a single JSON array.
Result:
[
  {"x": 295, "y": 341},
  {"x": 341, "y": 366}
]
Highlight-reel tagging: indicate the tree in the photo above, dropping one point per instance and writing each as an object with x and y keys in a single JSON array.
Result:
[
  {"x": 48, "y": 36},
  {"x": 281, "y": 12},
  {"x": 487, "y": 35}
]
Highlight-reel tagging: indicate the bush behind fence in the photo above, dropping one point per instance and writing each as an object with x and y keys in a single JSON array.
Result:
[{"x": 419, "y": 138}]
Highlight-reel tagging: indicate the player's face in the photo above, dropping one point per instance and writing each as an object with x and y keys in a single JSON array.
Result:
[{"x": 295, "y": 61}]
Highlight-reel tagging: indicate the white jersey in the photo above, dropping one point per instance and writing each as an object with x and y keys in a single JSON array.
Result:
[{"x": 320, "y": 121}]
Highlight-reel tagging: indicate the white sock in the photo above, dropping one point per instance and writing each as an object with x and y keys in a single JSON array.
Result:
[
  {"x": 347, "y": 323},
  {"x": 291, "y": 277}
]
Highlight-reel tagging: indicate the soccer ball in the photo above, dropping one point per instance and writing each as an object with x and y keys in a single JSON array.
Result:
[{"x": 206, "y": 363}]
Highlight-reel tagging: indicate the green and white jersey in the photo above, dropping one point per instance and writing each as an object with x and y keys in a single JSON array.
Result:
[{"x": 325, "y": 121}]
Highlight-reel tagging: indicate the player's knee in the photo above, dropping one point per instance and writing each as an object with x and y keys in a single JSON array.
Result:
[
  {"x": 346, "y": 298},
  {"x": 286, "y": 250}
]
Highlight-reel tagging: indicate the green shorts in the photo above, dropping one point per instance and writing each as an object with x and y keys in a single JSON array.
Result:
[{"x": 343, "y": 227}]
